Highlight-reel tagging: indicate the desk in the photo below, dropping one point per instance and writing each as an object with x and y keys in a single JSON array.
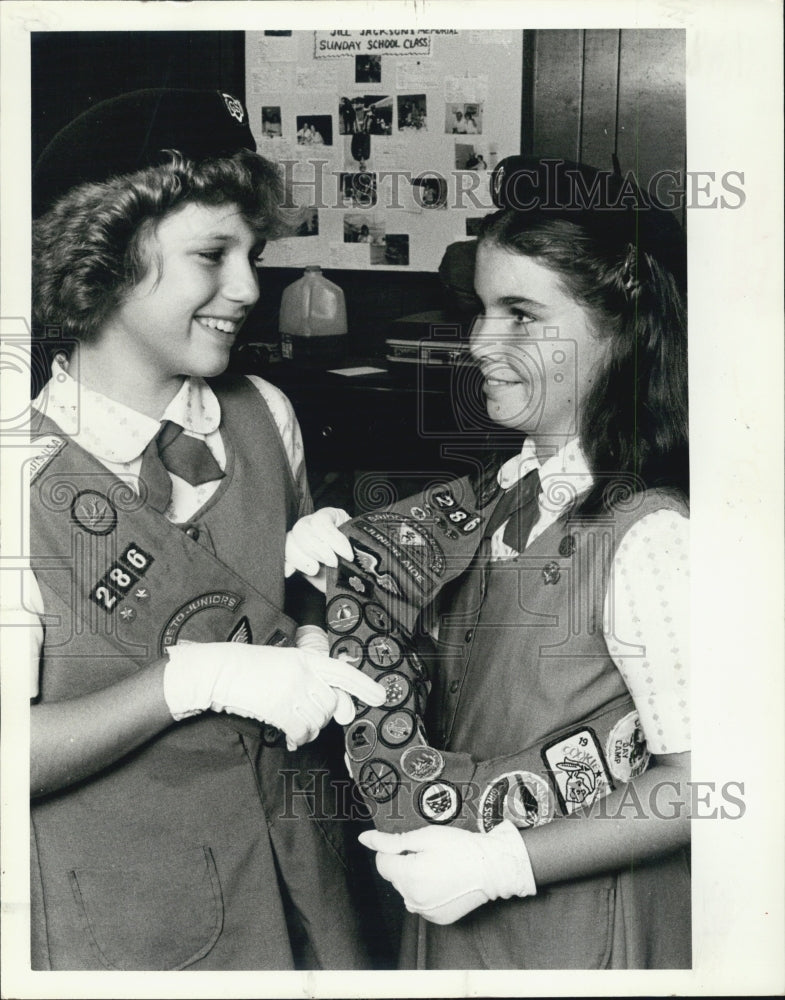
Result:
[{"x": 372, "y": 439}]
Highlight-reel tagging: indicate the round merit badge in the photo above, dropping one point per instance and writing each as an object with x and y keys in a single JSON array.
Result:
[
  {"x": 384, "y": 652},
  {"x": 360, "y": 739},
  {"x": 377, "y": 617},
  {"x": 397, "y": 727},
  {"x": 93, "y": 512},
  {"x": 520, "y": 796},
  {"x": 422, "y": 763},
  {"x": 348, "y": 648},
  {"x": 439, "y": 802},
  {"x": 343, "y": 614},
  {"x": 378, "y": 780},
  {"x": 397, "y": 686},
  {"x": 360, "y": 708},
  {"x": 626, "y": 750}
]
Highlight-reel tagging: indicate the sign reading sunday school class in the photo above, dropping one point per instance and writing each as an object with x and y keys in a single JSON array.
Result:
[{"x": 397, "y": 41}]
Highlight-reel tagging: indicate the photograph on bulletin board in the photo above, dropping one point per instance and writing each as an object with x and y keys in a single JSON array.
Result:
[{"x": 407, "y": 123}]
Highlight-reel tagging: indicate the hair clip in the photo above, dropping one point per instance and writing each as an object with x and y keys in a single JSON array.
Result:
[{"x": 629, "y": 280}]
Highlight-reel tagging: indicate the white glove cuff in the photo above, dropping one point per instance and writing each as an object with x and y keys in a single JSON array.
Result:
[
  {"x": 185, "y": 690},
  {"x": 513, "y": 870},
  {"x": 312, "y": 638}
]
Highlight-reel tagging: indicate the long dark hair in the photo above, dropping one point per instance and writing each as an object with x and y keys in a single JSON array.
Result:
[{"x": 634, "y": 421}]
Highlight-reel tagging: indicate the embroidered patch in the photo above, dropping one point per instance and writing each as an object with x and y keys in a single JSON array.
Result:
[
  {"x": 234, "y": 107},
  {"x": 278, "y": 638},
  {"x": 104, "y": 597},
  {"x": 377, "y": 617},
  {"x": 222, "y": 600},
  {"x": 397, "y": 728},
  {"x": 626, "y": 750},
  {"x": 422, "y": 763},
  {"x": 370, "y": 563},
  {"x": 523, "y": 797},
  {"x": 360, "y": 740},
  {"x": 343, "y": 614},
  {"x": 463, "y": 521},
  {"x": 378, "y": 780},
  {"x": 412, "y": 546},
  {"x": 48, "y": 446},
  {"x": 439, "y": 802},
  {"x": 384, "y": 652},
  {"x": 397, "y": 686},
  {"x": 348, "y": 649},
  {"x": 241, "y": 632},
  {"x": 443, "y": 499},
  {"x": 360, "y": 708},
  {"x": 577, "y": 766},
  {"x": 120, "y": 579},
  {"x": 350, "y": 579},
  {"x": 551, "y": 573},
  {"x": 136, "y": 559},
  {"x": 94, "y": 512}
]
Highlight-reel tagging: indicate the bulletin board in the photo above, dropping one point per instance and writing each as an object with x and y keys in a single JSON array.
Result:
[{"x": 387, "y": 138}]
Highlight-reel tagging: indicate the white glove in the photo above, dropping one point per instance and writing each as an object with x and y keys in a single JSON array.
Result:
[
  {"x": 444, "y": 874},
  {"x": 292, "y": 689},
  {"x": 314, "y": 639},
  {"x": 315, "y": 542}
]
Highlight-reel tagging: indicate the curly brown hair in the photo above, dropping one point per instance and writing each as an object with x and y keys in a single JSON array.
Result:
[{"x": 89, "y": 248}]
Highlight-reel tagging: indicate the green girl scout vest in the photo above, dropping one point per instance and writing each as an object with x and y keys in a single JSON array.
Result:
[{"x": 178, "y": 855}]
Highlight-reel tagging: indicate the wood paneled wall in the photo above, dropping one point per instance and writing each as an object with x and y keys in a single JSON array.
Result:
[{"x": 603, "y": 92}]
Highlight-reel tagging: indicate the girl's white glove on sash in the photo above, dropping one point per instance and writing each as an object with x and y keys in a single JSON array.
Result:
[
  {"x": 314, "y": 541},
  {"x": 297, "y": 690},
  {"x": 443, "y": 874}
]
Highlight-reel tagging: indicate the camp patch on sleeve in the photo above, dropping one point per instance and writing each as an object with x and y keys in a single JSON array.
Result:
[
  {"x": 626, "y": 749},
  {"x": 578, "y": 769}
]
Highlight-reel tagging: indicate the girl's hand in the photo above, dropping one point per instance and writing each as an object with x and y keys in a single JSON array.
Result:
[
  {"x": 297, "y": 690},
  {"x": 444, "y": 874},
  {"x": 315, "y": 542}
]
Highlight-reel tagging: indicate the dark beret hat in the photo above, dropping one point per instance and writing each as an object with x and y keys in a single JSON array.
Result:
[
  {"x": 609, "y": 206},
  {"x": 128, "y": 132}
]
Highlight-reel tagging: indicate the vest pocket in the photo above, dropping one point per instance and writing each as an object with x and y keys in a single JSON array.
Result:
[
  {"x": 567, "y": 926},
  {"x": 159, "y": 916}
]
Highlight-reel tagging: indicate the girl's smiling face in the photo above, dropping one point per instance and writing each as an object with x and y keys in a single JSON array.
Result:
[
  {"x": 536, "y": 346},
  {"x": 184, "y": 315}
]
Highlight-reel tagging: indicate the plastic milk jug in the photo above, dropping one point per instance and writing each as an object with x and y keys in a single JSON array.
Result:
[{"x": 313, "y": 319}]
